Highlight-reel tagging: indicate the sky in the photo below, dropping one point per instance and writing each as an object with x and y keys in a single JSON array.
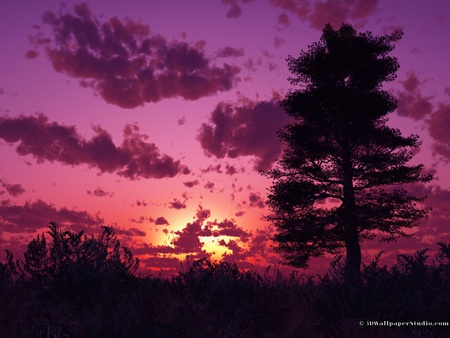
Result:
[{"x": 156, "y": 117}]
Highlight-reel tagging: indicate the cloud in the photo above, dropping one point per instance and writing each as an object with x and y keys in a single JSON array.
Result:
[
  {"x": 191, "y": 184},
  {"x": 411, "y": 102},
  {"x": 131, "y": 232},
  {"x": 231, "y": 169},
  {"x": 235, "y": 10},
  {"x": 439, "y": 126},
  {"x": 36, "y": 215},
  {"x": 177, "y": 204},
  {"x": 181, "y": 121},
  {"x": 99, "y": 192},
  {"x": 161, "y": 221},
  {"x": 216, "y": 168},
  {"x": 283, "y": 21},
  {"x": 248, "y": 130},
  {"x": 31, "y": 54},
  {"x": 256, "y": 201},
  {"x": 12, "y": 189},
  {"x": 125, "y": 63},
  {"x": 230, "y": 52},
  {"x": 133, "y": 159},
  {"x": 278, "y": 42},
  {"x": 335, "y": 12},
  {"x": 209, "y": 185}
]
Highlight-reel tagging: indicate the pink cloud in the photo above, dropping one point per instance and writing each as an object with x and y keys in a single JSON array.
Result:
[
  {"x": 133, "y": 159},
  {"x": 248, "y": 130},
  {"x": 127, "y": 65}
]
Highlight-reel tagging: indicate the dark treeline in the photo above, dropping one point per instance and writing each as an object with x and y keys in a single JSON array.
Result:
[{"x": 79, "y": 286}]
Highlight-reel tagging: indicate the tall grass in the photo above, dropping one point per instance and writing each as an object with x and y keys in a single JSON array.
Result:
[{"x": 209, "y": 299}]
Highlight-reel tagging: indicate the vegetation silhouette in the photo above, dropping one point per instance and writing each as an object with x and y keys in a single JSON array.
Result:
[
  {"x": 334, "y": 186},
  {"x": 78, "y": 286}
]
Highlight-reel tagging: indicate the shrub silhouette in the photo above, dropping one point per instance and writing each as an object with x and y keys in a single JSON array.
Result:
[{"x": 73, "y": 286}]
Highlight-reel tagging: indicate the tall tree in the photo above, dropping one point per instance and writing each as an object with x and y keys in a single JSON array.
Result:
[{"x": 334, "y": 186}]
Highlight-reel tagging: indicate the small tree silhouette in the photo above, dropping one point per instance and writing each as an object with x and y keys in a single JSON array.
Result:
[{"x": 72, "y": 257}]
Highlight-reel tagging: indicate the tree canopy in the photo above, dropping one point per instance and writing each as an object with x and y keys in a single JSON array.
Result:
[{"x": 342, "y": 176}]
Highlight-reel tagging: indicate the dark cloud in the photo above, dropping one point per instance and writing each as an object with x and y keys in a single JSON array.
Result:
[
  {"x": 12, "y": 189},
  {"x": 31, "y": 54},
  {"x": 230, "y": 169},
  {"x": 177, "y": 204},
  {"x": 99, "y": 192},
  {"x": 278, "y": 42},
  {"x": 235, "y": 10},
  {"x": 283, "y": 21},
  {"x": 209, "y": 185},
  {"x": 161, "y": 221},
  {"x": 36, "y": 215},
  {"x": 248, "y": 130},
  {"x": 131, "y": 232},
  {"x": 216, "y": 168},
  {"x": 231, "y": 229},
  {"x": 126, "y": 64},
  {"x": 336, "y": 12},
  {"x": 191, "y": 184},
  {"x": 439, "y": 126},
  {"x": 141, "y": 203},
  {"x": 230, "y": 52},
  {"x": 411, "y": 102},
  {"x": 141, "y": 220},
  {"x": 188, "y": 241},
  {"x": 133, "y": 159},
  {"x": 255, "y": 200}
]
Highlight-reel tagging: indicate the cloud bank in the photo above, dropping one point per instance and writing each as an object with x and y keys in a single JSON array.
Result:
[{"x": 49, "y": 141}]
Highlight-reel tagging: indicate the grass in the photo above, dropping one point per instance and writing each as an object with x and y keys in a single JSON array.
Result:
[{"x": 77, "y": 298}]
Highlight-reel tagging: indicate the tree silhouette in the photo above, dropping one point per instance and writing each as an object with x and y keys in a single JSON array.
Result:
[{"x": 333, "y": 187}]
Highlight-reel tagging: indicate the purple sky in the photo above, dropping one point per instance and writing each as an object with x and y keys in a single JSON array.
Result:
[{"x": 155, "y": 117}]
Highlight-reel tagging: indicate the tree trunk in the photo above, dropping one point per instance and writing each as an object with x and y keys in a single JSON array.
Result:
[{"x": 352, "y": 268}]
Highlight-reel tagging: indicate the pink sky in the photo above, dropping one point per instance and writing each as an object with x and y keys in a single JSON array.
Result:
[{"x": 155, "y": 117}]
